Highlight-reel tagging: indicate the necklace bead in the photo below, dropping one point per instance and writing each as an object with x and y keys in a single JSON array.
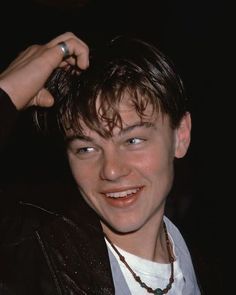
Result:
[{"x": 157, "y": 291}]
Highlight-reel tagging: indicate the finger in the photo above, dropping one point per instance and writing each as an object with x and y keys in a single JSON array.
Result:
[
  {"x": 64, "y": 37},
  {"x": 43, "y": 99},
  {"x": 76, "y": 48}
]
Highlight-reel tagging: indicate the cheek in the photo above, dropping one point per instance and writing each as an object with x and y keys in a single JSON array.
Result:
[
  {"x": 156, "y": 171},
  {"x": 156, "y": 161},
  {"x": 81, "y": 173},
  {"x": 159, "y": 172}
]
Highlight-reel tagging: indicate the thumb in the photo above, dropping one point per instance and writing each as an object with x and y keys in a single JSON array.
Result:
[{"x": 43, "y": 99}]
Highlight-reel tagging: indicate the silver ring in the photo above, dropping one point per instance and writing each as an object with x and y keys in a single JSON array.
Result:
[{"x": 64, "y": 49}]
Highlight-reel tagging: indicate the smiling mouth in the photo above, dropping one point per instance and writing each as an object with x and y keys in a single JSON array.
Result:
[{"x": 122, "y": 194}]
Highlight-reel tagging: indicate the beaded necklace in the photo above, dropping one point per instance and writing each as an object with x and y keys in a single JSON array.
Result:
[{"x": 137, "y": 278}]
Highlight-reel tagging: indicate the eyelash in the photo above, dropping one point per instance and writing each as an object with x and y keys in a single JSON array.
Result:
[
  {"x": 133, "y": 139},
  {"x": 87, "y": 150},
  {"x": 83, "y": 150}
]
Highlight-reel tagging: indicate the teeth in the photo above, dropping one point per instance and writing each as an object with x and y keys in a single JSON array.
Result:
[{"x": 122, "y": 194}]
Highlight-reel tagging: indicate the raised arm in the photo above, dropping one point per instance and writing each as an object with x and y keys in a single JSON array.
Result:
[{"x": 25, "y": 77}]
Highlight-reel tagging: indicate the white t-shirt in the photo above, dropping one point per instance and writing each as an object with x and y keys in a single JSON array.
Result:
[{"x": 156, "y": 275}]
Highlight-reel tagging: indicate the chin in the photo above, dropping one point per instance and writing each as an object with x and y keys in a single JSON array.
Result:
[{"x": 128, "y": 227}]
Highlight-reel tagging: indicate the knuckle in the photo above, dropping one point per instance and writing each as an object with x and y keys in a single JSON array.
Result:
[{"x": 69, "y": 34}]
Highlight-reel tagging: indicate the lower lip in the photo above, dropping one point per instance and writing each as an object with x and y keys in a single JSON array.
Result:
[{"x": 125, "y": 201}]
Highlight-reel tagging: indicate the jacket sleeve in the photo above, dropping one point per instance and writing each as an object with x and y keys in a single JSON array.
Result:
[{"x": 8, "y": 116}]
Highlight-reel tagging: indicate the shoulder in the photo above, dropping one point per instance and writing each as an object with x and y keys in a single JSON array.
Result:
[
  {"x": 22, "y": 215},
  {"x": 18, "y": 220}
]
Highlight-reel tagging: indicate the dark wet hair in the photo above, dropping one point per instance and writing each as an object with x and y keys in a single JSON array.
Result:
[{"x": 123, "y": 66}]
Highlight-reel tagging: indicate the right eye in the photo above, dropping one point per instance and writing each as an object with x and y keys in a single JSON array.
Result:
[{"x": 84, "y": 150}]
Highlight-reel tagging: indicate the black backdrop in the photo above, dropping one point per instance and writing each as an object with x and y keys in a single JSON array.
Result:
[{"x": 197, "y": 37}]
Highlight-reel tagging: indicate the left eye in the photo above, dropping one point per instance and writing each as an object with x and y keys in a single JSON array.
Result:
[
  {"x": 134, "y": 140},
  {"x": 84, "y": 150}
]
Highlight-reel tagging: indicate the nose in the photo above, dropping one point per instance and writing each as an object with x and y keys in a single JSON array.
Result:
[{"x": 114, "y": 166}]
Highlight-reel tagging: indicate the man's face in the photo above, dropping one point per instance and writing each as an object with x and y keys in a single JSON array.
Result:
[{"x": 126, "y": 178}]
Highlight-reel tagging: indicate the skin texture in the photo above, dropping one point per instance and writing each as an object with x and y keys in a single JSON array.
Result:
[
  {"x": 136, "y": 164},
  {"x": 25, "y": 77}
]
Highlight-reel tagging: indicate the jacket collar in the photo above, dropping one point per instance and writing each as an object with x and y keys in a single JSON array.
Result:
[{"x": 77, "y": 251}]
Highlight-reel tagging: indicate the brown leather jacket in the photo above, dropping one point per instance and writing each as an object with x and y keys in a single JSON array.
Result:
[{"x": 44, "y": 252}]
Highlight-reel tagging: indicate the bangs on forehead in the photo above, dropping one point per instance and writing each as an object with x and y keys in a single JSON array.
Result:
[{"x": 103, "y": 115}]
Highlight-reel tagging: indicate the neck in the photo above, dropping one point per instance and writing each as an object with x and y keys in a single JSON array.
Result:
[
  {"x": 137, "y": 278},
  {"x": 147, "y": 242}
]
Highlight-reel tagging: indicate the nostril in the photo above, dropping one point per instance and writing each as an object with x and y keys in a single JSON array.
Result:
[{"x": 114, "y": 169}]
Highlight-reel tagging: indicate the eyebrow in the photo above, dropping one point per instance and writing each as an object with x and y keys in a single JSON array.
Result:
[
  {"x": 123, "y": 131},
  {"x": 79, "y": 137},
  {"x": 134, "y": 126}
]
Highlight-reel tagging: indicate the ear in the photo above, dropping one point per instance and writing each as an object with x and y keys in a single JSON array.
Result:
[{"x": 183, "y": 136}]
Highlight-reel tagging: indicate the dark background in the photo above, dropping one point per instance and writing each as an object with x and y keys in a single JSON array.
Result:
[{"x": 196, "y": 35}]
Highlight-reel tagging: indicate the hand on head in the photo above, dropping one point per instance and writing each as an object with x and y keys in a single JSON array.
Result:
[{"x": 25, "y": 77}]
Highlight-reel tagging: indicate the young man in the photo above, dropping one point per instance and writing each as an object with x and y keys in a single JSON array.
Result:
[{"x": 124, "y": 119}]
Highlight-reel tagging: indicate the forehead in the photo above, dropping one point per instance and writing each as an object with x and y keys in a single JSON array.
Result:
[
  {"x": 129, "y": 118},
  {"x": 125, "y": 102},
  {"x": 129, "y": 113},
  {"x": 112, "y": 116}
]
